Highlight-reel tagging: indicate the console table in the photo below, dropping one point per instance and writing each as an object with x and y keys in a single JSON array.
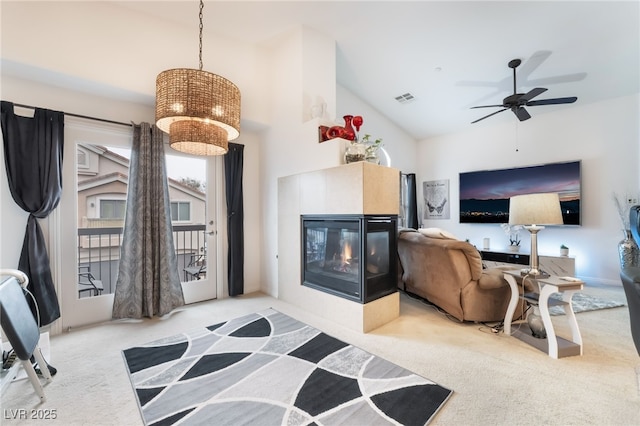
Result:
[
  {"x": 554, "y": 265},
  {"x": 555, "y": 346}
]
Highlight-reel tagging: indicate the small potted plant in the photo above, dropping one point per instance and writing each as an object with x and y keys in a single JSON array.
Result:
[
  {"x": 564, "y": 250},
  {"x": 371, "y": 151},
  {"x": 513, "y": 232}
]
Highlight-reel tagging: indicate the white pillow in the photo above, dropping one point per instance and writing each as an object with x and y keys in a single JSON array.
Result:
[{"x": 437, "y": 233}]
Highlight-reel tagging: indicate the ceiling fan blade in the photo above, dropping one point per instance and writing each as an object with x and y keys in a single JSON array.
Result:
[
  {"x": 567, "y": 78},
  {"x": 521, "y": 113},
  {"x": 532, "y": 94},
  {"x": 487, "y": 106},
  {"x": 487, "y": 116},
  {"x": 553, "y": 101}
]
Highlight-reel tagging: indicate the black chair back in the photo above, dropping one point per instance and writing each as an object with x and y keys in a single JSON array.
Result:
[
  {"x": 634, "y": 222},
  {"x": 631, "y": 281},
  {"x": 17, "y": 320}
]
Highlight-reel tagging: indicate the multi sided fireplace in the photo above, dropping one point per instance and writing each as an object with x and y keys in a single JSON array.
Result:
[{"x": 351, "y": 256}]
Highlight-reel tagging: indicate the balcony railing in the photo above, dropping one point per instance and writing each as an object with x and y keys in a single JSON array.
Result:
[{"x": 99, "y": 251}]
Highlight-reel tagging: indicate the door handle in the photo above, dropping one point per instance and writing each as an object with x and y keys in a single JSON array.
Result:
[{"x": 210, "y": 232}]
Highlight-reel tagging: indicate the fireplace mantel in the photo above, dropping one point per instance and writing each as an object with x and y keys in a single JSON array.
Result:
[{"x": 357, "y": 188}]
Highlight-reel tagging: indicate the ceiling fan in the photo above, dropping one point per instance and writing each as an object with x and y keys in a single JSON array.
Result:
[{"x": 518, "y": 101}]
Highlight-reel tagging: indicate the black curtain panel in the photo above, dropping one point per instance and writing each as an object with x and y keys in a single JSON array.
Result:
[
  {"x": 235, "y": 217},
  {"x": 33, "y": 150},
  {"x": 411, "y": 204}
]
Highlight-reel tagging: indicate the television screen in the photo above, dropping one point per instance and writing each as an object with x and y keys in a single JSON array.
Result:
[{"x": 484, "y": 195}]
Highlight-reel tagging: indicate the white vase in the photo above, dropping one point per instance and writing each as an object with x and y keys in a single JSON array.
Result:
[{"x": 514, "y": 249}]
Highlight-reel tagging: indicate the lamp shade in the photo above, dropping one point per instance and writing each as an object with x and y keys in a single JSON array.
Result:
[
  {"x": 184, "y": 94},
  {"x": 198, "y": 138},
  {"x": 535, "y": 209}
]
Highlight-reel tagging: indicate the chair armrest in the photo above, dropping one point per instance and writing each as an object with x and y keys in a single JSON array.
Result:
[
  {"x": 631, "y": 274},
  {"x": 20, "y": 276},
  {"x": 492, "y": 278}
]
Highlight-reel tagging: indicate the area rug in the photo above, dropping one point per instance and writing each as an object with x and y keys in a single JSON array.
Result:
[
  {"x": 270, "y": 369},
  {"x": 583, "y": 303}
]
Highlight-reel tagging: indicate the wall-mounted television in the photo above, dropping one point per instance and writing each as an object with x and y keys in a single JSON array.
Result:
[{"x": 484, "y": 194}]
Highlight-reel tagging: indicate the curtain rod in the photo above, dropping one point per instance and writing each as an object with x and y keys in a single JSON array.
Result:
[{"x": 103, "y": 120}]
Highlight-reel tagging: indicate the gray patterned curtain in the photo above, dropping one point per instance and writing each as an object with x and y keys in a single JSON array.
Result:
[{"x": 148, "y": 282}]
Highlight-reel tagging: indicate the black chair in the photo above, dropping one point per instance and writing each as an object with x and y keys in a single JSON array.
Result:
[
  {"x": 196, "y": 268},
  {"x": 21, "y": 329},
  {"x": 631, "y": 281},
  {"x": 87, "y": 282}
]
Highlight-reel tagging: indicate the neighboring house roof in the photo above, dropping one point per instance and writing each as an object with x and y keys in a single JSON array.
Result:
[
  {"x": 103, "y": 151},
  {"x": 100, "y": 180}
]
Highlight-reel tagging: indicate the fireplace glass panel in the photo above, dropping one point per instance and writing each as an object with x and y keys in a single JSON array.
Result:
[
  {"x": 350, "y": 256},
  {"x": 334, "y": 252},
  {"x": 377, "y": 253}
]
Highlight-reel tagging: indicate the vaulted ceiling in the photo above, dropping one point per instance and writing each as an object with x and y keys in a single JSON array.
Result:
[{"x": 448, "y": 55}]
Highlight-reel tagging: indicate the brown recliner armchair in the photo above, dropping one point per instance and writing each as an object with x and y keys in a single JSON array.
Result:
[
  {"x": 449, "y": 273},
  {"x": 631, "y": 281}
]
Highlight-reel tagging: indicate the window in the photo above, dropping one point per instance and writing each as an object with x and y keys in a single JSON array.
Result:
[
  {"x": 112, "y": 209},
  {"x": 82, "y": 158},
  {"x": 180, "y": 211}
]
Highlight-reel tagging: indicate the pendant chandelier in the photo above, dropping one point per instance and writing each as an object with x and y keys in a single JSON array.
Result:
[{"x": 199, "y": 110}]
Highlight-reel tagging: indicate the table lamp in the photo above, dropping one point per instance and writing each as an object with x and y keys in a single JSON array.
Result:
[{"x": 532, "y": 211}]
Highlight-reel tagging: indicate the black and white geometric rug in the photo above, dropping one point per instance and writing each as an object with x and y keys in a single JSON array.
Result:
[{"x": 270, "y": 369}]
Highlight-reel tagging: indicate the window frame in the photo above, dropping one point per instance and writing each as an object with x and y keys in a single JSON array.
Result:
[{"x": 178, "y": 203}]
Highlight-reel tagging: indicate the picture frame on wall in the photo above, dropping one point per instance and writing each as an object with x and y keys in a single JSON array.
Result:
[{"x": 436, "y": 199}]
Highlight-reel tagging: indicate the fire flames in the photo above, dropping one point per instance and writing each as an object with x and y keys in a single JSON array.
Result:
[
  {"x": 346, "y": 253},
  {"x": 346, "y": 258}
]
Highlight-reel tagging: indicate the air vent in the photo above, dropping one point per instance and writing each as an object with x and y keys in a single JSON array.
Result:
[{"x": 406, "y": 98}]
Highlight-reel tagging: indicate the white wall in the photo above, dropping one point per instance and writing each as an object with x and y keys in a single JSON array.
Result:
[
  {"x": 604, "y": 136},
  {"x": 396, "y": 142},
  {"x": 291, "y": 144}
]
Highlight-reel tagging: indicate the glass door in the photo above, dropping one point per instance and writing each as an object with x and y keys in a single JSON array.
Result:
[
  {"x": 192, "y": 191},
  {"x": 96, "y": 168}
]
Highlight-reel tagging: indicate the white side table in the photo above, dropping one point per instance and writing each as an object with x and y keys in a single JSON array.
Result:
[{"x": 555, "y": 346}]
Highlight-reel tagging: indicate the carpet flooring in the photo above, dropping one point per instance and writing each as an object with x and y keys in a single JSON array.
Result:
[{"x": 270, "y": 369}]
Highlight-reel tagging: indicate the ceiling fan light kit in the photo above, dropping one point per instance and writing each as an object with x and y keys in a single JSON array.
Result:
[{"x": 517, "y": 101}]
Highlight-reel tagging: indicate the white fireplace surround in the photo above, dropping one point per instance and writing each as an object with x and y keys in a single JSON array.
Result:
[{"x": 356, "y": 188}]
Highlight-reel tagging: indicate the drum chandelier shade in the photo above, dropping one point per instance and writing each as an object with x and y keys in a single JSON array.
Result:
[
  {"x": 190, "y": 94},
  {"x": 198, "y": 138},
  {"x": 209, "y": 102}
]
